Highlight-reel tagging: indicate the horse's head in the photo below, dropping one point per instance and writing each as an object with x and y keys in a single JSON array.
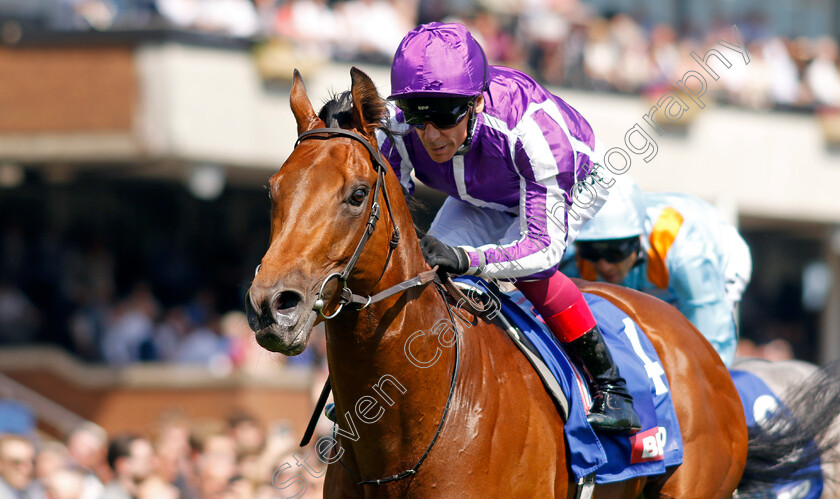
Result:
[{"x": 321, "y": 204}]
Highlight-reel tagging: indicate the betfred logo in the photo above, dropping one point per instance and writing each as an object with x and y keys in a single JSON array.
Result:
[{"x": 648, "y": 446}]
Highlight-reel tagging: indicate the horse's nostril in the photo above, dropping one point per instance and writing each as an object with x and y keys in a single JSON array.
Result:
[{"x": 287, "y": 301}]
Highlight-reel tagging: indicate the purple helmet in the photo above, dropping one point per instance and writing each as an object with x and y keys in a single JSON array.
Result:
[{"x": 438, "y": 60}]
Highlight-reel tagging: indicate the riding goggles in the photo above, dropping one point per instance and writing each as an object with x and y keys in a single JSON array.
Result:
[
  {"x": 612, "y": 251},
  {"x": 442, "y": 112}
]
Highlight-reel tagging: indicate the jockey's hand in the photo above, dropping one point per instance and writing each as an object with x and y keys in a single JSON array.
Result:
[{"x": 449, "y": 259}]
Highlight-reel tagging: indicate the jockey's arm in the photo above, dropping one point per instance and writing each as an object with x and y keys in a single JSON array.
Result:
[
  {"x": 699, "y": 287},
  {"x": 544, "y": 212},
  {"x": 534, "y": 243}
]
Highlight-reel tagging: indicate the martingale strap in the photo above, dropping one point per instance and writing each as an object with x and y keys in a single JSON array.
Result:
[{"x": 455, "y": 368}]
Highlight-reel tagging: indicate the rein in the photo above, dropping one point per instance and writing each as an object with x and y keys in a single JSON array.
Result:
[{"x": 347, "y": 297}]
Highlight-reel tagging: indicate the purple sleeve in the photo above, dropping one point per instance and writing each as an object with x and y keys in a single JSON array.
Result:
[{"x": 542, "y": 222}]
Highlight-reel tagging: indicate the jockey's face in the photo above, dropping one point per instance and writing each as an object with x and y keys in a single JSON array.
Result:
[
  {"x": 615, "y": 273},
  {"x": 611, "y": 258},
  {"x": 443, "y": 143}
]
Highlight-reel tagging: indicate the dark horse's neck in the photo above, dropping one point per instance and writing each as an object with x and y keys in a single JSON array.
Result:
[{"x": 390, "y": 371}]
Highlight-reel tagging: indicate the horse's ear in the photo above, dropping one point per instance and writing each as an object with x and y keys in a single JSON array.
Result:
[
  {"x": 368, "y": 106},
  {"x": 301, "y": 107}
]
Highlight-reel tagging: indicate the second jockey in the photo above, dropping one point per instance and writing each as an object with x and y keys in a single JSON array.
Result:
[
  {"x": 510, "y": 155},
  {"x": 675, "y": 247}
]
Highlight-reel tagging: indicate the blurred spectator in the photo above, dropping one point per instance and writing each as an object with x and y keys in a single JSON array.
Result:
[
  {"x": 132, "y": 460},
  {"x": 87, "y": 325},
  {"x": 499, "y": 44},
  {"x": 157, "y": 488},
  {"x": 87, "y": 445},
  {"x": 242, "y": 346},
  {"x": 239, "y": 487},
  {"x": 312, "y": 26},
  {"x": 129, "y": 333},
  {"x": 371, "y": 30},
  {"x": 216, "y": 464},
  {"x": 17, "y": 469},
  {"x": 633, "y": 68},
  {"x": 228, "y": 17},
  {"x": 600, "y": 55},
  {"x": 822, "y": 75},
  {"x": 664, "y": 55},
  {"x": 784, "y": 77},
  {"x": 18, "y": 316},
  {"x": 64, "y": 483},
  {"x": 172, "y": 451},
  {"x": 247, "y": 433},
  {"x": 52, "y": 457},
  {"x": 169, "y": 333},
  {"x": 203, "y": 345}
]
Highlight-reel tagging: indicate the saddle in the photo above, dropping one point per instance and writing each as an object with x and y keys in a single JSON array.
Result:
[{"x": 609, "y": 457}]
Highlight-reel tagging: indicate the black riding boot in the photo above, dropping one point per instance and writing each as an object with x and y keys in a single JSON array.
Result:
[{"x": 612, "y": 405}]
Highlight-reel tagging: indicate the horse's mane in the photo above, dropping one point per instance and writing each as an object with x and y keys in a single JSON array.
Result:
[{"x": 337, "y": 112}]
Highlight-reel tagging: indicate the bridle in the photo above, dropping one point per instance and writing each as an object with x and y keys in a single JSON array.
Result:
[{"x": 347, "y": 297}]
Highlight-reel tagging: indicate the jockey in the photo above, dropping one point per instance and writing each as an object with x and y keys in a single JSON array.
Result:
[
  {"x": 675, "y": 247},
  {"x": 509, "y": 154}
]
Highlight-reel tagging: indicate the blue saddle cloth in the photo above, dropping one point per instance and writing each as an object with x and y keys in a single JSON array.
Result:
[
  {"x": 612, "y": 457},
  {"x": 759, "y": 401}
]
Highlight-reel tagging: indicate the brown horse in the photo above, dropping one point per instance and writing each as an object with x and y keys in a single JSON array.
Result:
[{"x": 442, "y": 416}]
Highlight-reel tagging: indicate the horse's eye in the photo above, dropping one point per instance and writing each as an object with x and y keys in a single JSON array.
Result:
[{"x": 358, "y": 196}]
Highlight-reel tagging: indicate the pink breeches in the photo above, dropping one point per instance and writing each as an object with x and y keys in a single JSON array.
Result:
[{"x": 561, "y": 305}]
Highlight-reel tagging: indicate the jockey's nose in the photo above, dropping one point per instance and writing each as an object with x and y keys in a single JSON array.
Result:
[{"x": 432, "y": 132}]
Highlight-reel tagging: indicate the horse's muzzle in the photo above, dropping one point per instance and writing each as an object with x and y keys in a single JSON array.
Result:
[
  {"x": 281, "y": 308},
  {"x": 276, "y": 316}
]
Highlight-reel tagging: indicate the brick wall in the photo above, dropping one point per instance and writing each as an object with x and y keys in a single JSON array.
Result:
[
  {"x": 67, "y": 89},
  {"x": 136, "y": 409}
]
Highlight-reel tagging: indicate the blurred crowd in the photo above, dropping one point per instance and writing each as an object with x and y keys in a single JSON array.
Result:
[
  {"x": 83, "y": 295},
  {"x": 561, "y": 42},
  {"x": 240, "y": 458}
]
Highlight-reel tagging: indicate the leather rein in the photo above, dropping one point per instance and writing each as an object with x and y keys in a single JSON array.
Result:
[{"x": 347, "y": 297}]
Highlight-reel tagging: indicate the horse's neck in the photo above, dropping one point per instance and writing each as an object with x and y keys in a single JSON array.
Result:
[{"x": 391, "y": 378}]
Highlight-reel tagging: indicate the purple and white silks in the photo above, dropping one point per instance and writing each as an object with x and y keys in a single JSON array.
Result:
[{"x": 514, "y": 187}]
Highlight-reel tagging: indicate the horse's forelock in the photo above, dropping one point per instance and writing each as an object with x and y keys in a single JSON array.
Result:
[{"x": 338, "y": 111}]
